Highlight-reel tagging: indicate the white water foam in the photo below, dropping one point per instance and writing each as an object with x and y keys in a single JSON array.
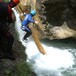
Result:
[{"x": 48, "y": 65}]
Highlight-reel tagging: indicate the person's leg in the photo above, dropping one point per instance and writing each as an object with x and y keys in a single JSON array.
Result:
[
  {"x": 27, "y": 35},
  {"x": 6, "y": 53},
  {"x": 10, "y": 41},
  {"x": 28, "y": 32}
]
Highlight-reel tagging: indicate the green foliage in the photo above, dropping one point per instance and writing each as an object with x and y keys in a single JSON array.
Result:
[
  {"x": 5, "y": 0},
  {"x": 24, "y": 69},
  {"x": 7, "y": 71}
]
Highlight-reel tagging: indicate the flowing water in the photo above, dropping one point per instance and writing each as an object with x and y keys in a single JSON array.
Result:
[{"x": 60, "y": 59}]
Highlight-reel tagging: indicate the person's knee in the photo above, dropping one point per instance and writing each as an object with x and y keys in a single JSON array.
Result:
[
  {"x": 10, "y": 38},
  {"x": 30, "y": 33}
]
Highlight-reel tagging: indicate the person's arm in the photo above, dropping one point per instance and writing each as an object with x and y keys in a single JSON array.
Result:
[
  {"x": 9, "y": 14},
  {"x": 31, "y": 19},
  {"x": 24, "y": 14}
]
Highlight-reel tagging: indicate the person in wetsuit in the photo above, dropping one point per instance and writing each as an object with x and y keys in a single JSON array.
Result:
[
  {"x": 5, "y": 20},
  {"x": 28, "y": 18}
]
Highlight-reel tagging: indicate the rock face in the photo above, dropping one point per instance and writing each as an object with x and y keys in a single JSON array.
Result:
[{"x": 60, "y": 14}]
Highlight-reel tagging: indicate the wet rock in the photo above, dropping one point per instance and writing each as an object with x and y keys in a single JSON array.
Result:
[
  {"x": 62, "y": 32},
  {"x": 59, "y": 12}
]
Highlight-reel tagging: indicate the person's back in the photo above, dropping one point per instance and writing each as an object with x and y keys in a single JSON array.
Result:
[
  {"x": 4, "y": 18},
  {"x": 4, "y": 32},
  {"x": 3, "y": 12},
  {"x": 28, "y": 18}
]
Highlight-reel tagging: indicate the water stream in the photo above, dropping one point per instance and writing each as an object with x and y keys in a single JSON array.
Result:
[{"x": 60, "y": 59}]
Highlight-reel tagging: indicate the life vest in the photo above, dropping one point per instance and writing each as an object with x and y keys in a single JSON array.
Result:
[{"x": 3, "y": 12}]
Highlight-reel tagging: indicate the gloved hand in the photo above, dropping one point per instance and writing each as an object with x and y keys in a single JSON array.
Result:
[{"x": 36, "y": 22}]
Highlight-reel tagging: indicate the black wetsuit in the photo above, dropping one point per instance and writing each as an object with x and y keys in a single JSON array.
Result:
[{"x": 4, "y": 32}]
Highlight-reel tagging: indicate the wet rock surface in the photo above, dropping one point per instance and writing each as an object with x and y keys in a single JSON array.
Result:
[{"x": 59, "y": 14}]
